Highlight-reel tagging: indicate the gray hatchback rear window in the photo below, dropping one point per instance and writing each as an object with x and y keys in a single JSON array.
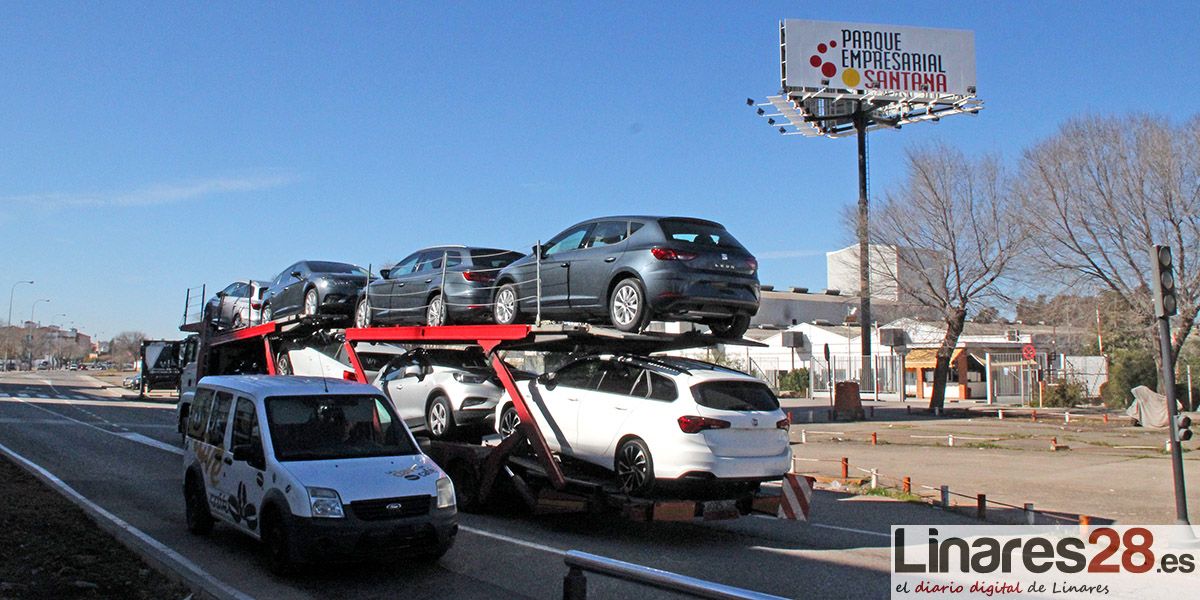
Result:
[{"x": 698, "y": 233}]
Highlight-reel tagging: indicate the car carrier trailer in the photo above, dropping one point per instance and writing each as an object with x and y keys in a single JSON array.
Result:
[{"x": 521, "y": 464}]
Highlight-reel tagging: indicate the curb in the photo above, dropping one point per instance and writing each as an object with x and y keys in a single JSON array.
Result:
[{"x": 157, "y": 555}]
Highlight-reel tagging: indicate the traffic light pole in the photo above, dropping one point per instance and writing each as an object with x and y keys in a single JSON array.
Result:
[{"x": 1168, "y": 375}]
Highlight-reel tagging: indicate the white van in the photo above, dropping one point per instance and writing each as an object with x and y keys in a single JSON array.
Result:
[{"x": 334, "y": 474}]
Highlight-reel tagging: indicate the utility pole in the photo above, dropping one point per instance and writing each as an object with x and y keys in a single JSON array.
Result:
[{"x": 864, "y": 258}]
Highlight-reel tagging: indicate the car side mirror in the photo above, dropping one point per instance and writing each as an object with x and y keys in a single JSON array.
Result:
[
  {"x": 538, "y": 251},
  {"x": 548, "y": 380},
  {"x": 297, "y": 275},
  {"x": 413, "y": 371},
  {"x": 221, "y": 294},
  {"x": 249, "y": 453},
  {"x": 384, "y": 273}
]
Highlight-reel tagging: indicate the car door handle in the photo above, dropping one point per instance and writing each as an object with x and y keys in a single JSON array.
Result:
[
  {"x": 565, "y": 265},
  {"x": 610, "y": 259},
  {"x": 228, "y": 461},
  {"x": 620, "y": 408},
  {"x": 399, "y": 285},
  {"x": 572, "y": 399},
  {"x": 429, "y": 280}
]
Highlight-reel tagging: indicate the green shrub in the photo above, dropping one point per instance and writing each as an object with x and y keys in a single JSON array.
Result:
[
  {"x": 795, "y": 380},
  {"x": 1064, "y": 395},
  {"x": 1128, "y": 369}
]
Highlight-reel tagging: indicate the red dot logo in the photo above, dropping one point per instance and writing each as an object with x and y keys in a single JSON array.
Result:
[{"x": 827, "y": 68}]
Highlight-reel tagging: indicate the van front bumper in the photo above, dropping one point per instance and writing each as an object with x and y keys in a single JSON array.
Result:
[{"x": 350, "y": 538}]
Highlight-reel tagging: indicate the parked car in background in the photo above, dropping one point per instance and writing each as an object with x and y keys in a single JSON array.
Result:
[
  {"x": 132, "y": 382},
  {"x": 238, "y": 305},
  {"x": 631, "y": 270},
  {"x": 413, "y": 290},
  {"x": 659, "y": 420},
  {"x": 443, "y": 390},
  {"x": 314, "y": 287}
]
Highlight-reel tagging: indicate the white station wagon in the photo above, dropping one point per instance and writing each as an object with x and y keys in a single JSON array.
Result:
[
  {"x": 659, "y": 419},
  {"x": 334, "y": 473}
]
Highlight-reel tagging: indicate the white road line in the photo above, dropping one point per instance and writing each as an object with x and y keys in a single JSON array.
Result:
[
  {"x": 195, "y": 572},
  {"x": 824, "y": 526},
  {"x": 153, "y": 443},
  {"x": 140, "y": 438},
  {"x": 513, "y": 540},
  {"x": 104, "y": 403}
]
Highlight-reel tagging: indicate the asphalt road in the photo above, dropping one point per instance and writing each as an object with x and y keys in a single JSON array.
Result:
[{"x": 125, "y": 457}]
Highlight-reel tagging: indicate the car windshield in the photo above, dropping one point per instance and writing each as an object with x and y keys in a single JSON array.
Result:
[
  {"x": 336, "y": 268},
  {"x": 735, "y": 395},
  {"x": 332, "y": 427},
  {"x": 698, "y": 233},
  {"x": 493, "y": 259}
]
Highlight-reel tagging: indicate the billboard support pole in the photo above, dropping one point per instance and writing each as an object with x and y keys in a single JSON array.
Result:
[{"x": 864, "y": 265}]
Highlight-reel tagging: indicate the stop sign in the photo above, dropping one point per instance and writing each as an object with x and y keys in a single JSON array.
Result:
[{"x": 1028, "y": 352}]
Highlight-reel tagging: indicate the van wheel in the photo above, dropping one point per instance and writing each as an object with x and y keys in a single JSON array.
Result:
[
  {"x": 731, "y": 328},
  {"x": 439, "y": 419},
  {"x": 276, "y": 546},
  {"x": 635, "y": 467},
  {"x": 438, "y": 551},
  {"x": 627, "y": 306},
  {"x": 199, "y": 519}
]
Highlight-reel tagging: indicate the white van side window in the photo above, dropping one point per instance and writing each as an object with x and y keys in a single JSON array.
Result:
[
  {"x": 198, "y": 413},
  {"x": 245, "y": 425},
  {"x": 219, "y": 419}
]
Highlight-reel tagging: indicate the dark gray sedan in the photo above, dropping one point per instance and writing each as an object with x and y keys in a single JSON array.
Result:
[
  {"x": 314, "y": 287},
  {"x": 630, "y": 270},
  {"x": 420, "y": 290}
]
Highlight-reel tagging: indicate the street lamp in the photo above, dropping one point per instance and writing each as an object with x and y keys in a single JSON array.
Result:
[
  {"x": 12, "y": 291},
  {"x": 34, "y": 308}
]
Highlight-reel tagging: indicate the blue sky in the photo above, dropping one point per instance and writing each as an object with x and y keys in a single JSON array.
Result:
[{"x": 149, "y": 147}]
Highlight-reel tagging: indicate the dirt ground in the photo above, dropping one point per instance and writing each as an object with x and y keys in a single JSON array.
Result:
[{"x": 50, "y": 549}]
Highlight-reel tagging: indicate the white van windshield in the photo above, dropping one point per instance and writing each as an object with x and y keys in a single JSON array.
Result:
[{"x": 334, "y": 427}]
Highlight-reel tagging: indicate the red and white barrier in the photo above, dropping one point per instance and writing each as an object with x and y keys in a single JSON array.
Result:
[{"x": 796, "y": 500}]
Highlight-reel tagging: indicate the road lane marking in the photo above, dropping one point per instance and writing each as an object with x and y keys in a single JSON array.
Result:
[
  {"x": 113, "y": 403},
  {"x": 825, "y": 526},
  {"x": 513, "y": 540},
  {"x": 153, "y": 443},
  {"x": 26, "y": 421},
  {"x": 194, "y": 573},
  {"x": 141, "y": 439}
]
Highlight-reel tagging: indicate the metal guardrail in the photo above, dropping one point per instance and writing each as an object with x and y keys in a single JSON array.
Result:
[{"x": 575, "y": 583}]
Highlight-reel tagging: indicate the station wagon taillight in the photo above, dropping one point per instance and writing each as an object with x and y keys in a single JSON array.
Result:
[
  {"x": 349, "y": 376},
  {"x": 693, "y": 424},
  {"x": 477, "y": 276},
  {"x": 670, "y": 254},
  {"x": 784, "y": 423}
]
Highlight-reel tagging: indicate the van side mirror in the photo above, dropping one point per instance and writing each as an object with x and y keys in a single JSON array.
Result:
[{"x": 249, "y": 453}]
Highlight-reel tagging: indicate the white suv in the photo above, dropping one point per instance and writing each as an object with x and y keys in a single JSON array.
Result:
[
  {"x": 335, "y": 473},
  {"x": 659, "y": 419}
]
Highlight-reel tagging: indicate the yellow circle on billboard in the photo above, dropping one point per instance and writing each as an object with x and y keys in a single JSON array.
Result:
[{"x": 850, "y": 77}]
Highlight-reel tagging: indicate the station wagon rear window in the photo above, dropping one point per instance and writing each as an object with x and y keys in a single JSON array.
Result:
[
  {"x": 735, "y": 395},
  {"x": 699, "y": 234},
  {"x": 335, "y": 427}
]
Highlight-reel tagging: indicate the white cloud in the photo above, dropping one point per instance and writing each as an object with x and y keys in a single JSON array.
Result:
[{"x": 159, "y": 193}]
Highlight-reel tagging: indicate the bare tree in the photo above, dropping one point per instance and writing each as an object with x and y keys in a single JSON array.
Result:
[
  {"x": 126, "y": 346},
  {"x": 953, "y": 233},
  {"x": 1101, "y": 191}
]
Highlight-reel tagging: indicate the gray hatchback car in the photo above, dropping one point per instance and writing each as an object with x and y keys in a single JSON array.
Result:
[{"x": 634, "y": 269}]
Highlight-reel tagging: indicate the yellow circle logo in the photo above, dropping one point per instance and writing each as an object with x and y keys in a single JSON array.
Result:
[{"x": 850, "y": 78}]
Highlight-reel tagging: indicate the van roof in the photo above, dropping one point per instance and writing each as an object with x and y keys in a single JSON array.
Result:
[{"x": 287, "y": 385}]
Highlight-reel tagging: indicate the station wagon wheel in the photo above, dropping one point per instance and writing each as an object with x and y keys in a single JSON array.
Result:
[
  {"x": 506, "y": 311},
  {"x": 435, "y": 313},
  {"x": 439, "y": 419},
  {"x": 310, "y": 303},
  {"x": 509, "y": 421},
  {"x": 237, "y": 321},
  {"x": 635, "y": 467},
  {"x": 627, "y": 306},
  {"x": 362, "y": 314}
]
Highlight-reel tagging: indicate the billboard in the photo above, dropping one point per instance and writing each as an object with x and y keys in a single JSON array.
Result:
[{"x": 907, "y": 61}]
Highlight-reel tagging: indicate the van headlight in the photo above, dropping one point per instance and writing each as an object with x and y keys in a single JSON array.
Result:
[
  {"x": 325, "y": 503},
  {"x": 445, "y": 493}
]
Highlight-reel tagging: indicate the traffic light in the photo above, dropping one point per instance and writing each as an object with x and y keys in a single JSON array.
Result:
[
  {"x": 1183, "y": 428},
  {"x": 1165, "y": 302}
]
